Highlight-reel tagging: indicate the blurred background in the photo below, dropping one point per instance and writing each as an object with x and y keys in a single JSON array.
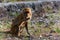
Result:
[{"x": 24, "y": 0}]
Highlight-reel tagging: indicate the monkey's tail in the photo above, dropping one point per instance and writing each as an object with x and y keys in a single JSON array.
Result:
[{"x": 7, "y": 32}]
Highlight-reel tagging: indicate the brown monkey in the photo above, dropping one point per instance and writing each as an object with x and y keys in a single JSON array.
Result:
[{"x": 20, "y": 22}]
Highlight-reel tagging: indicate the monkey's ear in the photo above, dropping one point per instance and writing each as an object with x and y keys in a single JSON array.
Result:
[{"x": 12, "y": 19}]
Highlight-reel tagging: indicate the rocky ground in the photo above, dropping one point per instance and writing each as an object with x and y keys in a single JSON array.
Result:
[{"x": 53, "y": 36}]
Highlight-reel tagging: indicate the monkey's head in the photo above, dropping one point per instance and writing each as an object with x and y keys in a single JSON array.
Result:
[
  {"x": 27, "y": 13},
  {"x": 27, "y": 10}
]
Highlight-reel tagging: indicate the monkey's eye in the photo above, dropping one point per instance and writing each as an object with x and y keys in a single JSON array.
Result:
[{"x": 27, "y": 12}]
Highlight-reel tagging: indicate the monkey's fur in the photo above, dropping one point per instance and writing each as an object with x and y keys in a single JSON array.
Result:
[{"x": 20, "y": 22}]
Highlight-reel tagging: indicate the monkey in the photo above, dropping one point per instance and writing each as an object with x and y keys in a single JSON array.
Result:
[{"x": 20, "y": 22}]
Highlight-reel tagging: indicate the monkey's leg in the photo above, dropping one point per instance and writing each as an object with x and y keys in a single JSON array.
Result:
[
  {"x": 26, "y": 27},
  {"x": 20, "y": 30}
]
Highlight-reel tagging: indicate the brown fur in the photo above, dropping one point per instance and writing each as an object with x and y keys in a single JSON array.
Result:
[{"x": 20, "y": 22}]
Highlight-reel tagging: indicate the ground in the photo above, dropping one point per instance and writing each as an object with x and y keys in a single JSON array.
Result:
[{"x": 40, "y": 33}]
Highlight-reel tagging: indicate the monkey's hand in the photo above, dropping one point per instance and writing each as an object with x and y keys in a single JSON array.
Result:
[{"x": 26, "y": 19}]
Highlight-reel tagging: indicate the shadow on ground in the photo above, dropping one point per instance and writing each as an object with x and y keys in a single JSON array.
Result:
[{"x": 8, "y": 36}]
